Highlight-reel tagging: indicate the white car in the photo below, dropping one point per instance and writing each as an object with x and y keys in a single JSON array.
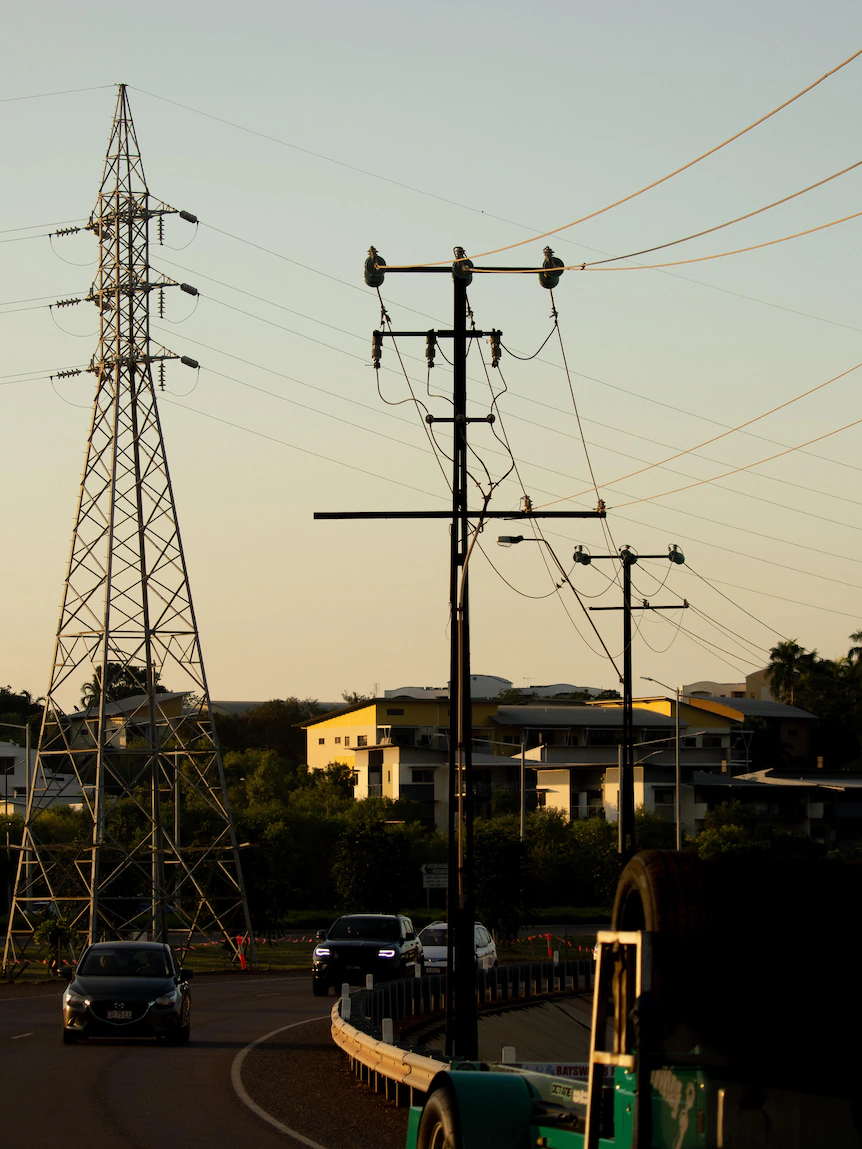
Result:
[{"x": 433, "y": 940}]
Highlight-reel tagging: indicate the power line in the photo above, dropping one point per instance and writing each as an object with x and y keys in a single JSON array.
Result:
[
  {"x": 675, "y": 172},
  {"x": 46, "y": 95},
  {"x": 728, "y": 223}
]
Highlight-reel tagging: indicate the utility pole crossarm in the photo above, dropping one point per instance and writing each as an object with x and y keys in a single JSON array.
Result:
[{"x": 467, "y": 514}]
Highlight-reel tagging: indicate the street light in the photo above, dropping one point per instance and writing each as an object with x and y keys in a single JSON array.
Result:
[{"x": 676, "y": 786}]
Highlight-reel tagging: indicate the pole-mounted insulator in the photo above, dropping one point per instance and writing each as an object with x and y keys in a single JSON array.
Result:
[
  {"x": 430, "y": 348},
  {"x": 68, "y": 373},
  {"x": 188, "y": 362},
  {"x": 376, "y": 348},
  {"x": 187, "y": 216},
  {"x": 66, "y": 231},
  {"x": 374, "y": 268},
  {"x": 582, "y": 556},
  {"x": 628, "y": 557},
  {"x": 66, "y": 302},
  {"x": 550, "y": 277},
  {"x": 188, "y": 289},
  {"x": 675, "y": 554},
  {"x": 462, "y": 268},
  {"x": 496, "y": 351}
]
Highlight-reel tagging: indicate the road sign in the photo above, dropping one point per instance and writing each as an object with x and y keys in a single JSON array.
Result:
[{"x": 435, "y": 876}]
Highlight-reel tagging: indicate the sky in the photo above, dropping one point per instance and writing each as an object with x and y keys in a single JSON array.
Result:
[{"x": 299, "y": 135}]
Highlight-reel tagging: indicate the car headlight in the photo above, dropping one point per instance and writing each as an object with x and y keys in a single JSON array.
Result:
[
  {"x": 72, "y": 997},
  {"x": 386, "y": 953},
  {"x": 169, "y": 998},
  {"x": 321, "y": 952}
]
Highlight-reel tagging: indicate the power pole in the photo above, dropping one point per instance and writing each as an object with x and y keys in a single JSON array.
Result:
[
  {"x": 127, "y": 619},
  {"x": 627, "y": 559},
  {"x": 461, "y": 1015}
]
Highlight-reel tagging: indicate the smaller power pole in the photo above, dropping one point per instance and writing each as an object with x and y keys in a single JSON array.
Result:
[{"x": 627, "y": 559}]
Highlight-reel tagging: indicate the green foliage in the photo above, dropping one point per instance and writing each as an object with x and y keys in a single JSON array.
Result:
[
  {"x": 21, "y": 709},
  {"x": 122, "y": 682},
  {"x": 367, "y": 865},
  {"x": 500, "y": 872},
  {"x": 352, "y": 698},
  {"x": 53, "y": 932},
  {"x": 271, "y": 726},
  {"x": 828, "y": 688},
  {"x": 652, "y": 831}
]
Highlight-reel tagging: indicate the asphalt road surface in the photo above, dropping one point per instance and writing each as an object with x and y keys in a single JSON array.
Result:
[{"x": 115, "y": 1094}]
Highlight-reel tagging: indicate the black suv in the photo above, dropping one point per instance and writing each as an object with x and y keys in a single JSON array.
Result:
[
  {"x": 385, "y": 945},
  {"x": 128, "y": 989}
]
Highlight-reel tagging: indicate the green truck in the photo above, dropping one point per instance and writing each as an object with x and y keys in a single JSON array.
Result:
[{"x": 726, "y": 1013}]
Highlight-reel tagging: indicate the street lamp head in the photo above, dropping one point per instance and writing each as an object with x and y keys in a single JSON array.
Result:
[
  {"x": 509, "y": 540},
  {"x": 675, "y": 554}
]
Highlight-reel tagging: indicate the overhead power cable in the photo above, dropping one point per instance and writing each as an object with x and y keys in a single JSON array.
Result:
[
  {"x": 746, "y": 467},
  {"x": 728, "y": 223},
  {"x": 656, "y": 183},
  {"x": 734, "y": 430},
  {"x": 46, "y": 95}
]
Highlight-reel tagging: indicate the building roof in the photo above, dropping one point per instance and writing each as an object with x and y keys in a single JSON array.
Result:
[
  {"x": 233, "y": 707},
  {"x": 590, "y": 715},
  {"x": 130, "y": 704},
  {"x": 751, "y": 707}
]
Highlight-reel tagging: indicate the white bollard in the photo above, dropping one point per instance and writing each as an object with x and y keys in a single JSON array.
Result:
[
  {"x": 570, "y": 982},
  {"x": 369, "y": 981},
  {"x": 509, "y": 1055},
  {"x": 345, "y": 989},
  {"x": 388, "y": 1032},
  {"x": 345, "y": 1009},
  {"x": 417, "y": 969},
  {"x": 556, "y": 957}
]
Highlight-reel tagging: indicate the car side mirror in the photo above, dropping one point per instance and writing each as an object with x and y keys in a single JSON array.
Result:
[
  {"x": 186, "y": 974},
  {"x": 320, "y": 936},
  {"x": 67, "y": 972}
]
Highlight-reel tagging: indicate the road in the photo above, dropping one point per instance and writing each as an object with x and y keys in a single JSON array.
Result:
[{"x": 115, "y": 1094}]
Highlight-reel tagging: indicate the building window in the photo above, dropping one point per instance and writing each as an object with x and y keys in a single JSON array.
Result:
[
  {"x": 362, "y": 740},
  {"x": 423, "y": 776},
  {"x": 688, "y": 742},
  {"x": 337, "y": 740},
  {"x": 396, "y": 710},
  {"x": 711, "y": 741},
  {"x": 7, "y": 765},
  {"x": 321, "y": 741},
  {"x": 346, "y": 739}
]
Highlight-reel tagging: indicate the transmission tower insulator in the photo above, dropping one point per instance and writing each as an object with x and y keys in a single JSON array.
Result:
[{"x": 127, "y": 729}]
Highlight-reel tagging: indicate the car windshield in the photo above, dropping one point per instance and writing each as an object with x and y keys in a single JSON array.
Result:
[
  {"x": 110, "y": 961},
  {"x": 435, "y": 937},
  {"x": 366, "y": 929}
]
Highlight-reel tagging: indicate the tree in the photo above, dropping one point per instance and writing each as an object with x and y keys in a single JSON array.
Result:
[
  {"x": 123, "y": 682},
  {"x": 366, "y": 861},
  {"x": 21, "y": 709},
  {"x": 352, "y": 698},
  {"x": 500, "y": 874},
  {"x": 274, "y": 725},
  {"x": 788, "y": 664}
]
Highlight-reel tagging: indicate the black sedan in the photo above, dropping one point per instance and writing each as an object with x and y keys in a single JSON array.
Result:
[
  {"x": 128, "y": 989},
  {"x": 384, "y": 945}
]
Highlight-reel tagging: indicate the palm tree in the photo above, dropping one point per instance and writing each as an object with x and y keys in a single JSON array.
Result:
[
  {"x": 789, "y": 663},
  {"x": 854, "y": 654}
]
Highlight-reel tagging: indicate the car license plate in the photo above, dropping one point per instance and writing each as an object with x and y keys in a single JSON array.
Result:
[{"x": 119, "y": 1015}]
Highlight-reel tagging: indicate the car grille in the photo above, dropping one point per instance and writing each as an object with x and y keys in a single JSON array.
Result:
[{"x": 100, "y": 1009}]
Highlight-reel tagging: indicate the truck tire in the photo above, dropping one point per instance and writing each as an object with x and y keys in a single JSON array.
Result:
[
  {"x": 319, "y": 988},
  {"x": 440, "y": 1124},
  {"x": 661, "y": 891}
]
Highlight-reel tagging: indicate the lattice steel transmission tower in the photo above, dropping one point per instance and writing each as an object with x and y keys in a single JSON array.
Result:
[{"x": 154, "y": 849}]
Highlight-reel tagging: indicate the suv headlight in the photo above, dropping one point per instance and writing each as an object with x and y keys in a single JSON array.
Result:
[
  {"x": 72, "y": 997},
  {"x": 321, "y": 952},
  {"x": 169, "y": 998},
  {"x": 386, "y": 953}
]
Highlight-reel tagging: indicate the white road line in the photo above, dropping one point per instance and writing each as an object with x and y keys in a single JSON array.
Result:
[
  {"x": 19, "y": 1036},
  {"x": 240, "y": 1090},
  {"x": 277, "y": 993}
]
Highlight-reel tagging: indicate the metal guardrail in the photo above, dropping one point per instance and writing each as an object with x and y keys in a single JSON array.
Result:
[{"x": 400, "y": 1073}]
